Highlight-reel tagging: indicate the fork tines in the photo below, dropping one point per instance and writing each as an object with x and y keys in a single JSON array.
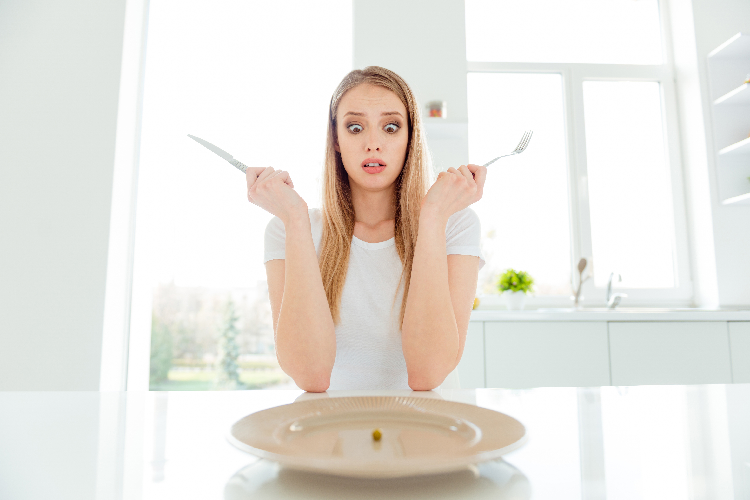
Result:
[
  {"x": 524, "y": 142},
  {"x": 519, "y": 149}
]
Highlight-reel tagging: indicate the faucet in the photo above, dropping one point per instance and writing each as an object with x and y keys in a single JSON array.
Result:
[{"x": 614, "y": 300}]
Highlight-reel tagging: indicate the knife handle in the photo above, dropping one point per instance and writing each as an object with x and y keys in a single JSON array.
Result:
[{"x": 241, "y": 166}]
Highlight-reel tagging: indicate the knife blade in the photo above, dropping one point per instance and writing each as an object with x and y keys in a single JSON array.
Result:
[{"x": 217, "y": 150}]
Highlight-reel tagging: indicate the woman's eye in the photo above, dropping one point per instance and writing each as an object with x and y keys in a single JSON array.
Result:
[
  {"x": 355, "y": 128},
  {"x": 391, "y": 128}
]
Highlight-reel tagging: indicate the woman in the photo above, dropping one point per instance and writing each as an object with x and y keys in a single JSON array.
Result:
[{"x": 362, "y": 293}]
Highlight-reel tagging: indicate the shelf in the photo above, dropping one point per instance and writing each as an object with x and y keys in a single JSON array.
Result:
[
  {"x": 743, "y": 199},
  {"x": 740, "y": 95},
  {"x": 737, "y": 47},
  {"x": 738, "y": 148},
  {"x": 441, "y": 129}
]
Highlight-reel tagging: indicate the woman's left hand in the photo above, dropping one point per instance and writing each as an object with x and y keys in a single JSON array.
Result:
[{"x": 455, "y": 190}]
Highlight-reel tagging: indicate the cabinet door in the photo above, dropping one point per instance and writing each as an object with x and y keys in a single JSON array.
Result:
[
  {"x": 546, "y": 354},
  {"x": 739, "y": 340},
  {"x": 643, "y": 353},
  {"x": 471, "y": 367}
]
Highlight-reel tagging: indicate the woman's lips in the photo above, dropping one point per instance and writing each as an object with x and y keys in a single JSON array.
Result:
[{"x": 373, "y": 169}]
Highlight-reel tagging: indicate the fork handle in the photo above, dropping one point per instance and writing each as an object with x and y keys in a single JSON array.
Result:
[{"x": 493, "y": 161}]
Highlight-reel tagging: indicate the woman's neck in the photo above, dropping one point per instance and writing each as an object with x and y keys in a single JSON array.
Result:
[{"x": 372, "y": 208}]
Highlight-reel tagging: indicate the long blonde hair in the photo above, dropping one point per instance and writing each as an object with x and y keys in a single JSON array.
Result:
[{"x": 337, "y": 208}]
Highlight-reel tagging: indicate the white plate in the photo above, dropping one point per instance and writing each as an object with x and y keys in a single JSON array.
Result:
[{"x": 419, "y": 435}]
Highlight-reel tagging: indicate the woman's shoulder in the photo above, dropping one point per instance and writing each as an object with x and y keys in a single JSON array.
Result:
[
  {"x": 463, "y": 219},
  {"x": 316, "y": 215}
]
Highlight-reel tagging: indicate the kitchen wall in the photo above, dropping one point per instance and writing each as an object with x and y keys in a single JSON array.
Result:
[
  {"x": 58, "y": 112},
  {"x": 60, "y": 67}
]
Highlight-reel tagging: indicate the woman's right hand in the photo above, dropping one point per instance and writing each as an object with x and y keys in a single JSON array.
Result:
[{"x": 273, "y": 191}]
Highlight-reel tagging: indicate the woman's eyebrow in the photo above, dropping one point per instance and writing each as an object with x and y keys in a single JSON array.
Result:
[{"x": 384, "y": 113}]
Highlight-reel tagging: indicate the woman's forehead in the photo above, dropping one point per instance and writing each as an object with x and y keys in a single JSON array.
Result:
[{"x": 370, "y": 99}]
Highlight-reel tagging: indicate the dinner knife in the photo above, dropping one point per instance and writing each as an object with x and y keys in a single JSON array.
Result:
[{"x": 241, "y": 166}]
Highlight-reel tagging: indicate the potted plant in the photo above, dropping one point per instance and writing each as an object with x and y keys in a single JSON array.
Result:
[{"x": 514, "y": 285}]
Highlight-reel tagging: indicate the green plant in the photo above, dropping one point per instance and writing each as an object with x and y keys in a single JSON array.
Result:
[{"x": 515, "y": 281}]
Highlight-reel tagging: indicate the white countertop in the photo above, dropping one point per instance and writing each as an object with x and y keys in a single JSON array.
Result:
[
  {"x": 591, "y": 443},
  {"x": 618, "y": 314}
]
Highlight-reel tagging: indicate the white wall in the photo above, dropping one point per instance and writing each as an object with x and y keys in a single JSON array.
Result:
[{"x": 60, "y": 67}]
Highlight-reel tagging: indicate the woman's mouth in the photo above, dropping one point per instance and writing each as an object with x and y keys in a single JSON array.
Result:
[{"x": 373, "y": 165}]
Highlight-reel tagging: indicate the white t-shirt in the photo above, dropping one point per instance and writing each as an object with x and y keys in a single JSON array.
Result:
[{"x": 368, "y": 337}]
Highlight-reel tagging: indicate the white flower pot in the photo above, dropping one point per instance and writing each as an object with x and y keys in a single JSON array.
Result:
[{"x": 514, "y": 300}]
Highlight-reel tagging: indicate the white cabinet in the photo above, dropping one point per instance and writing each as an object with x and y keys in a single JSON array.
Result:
[
  {"x": 739, "y": 340},
  {"x": 643, "y": 353},
  {"x": 546, "y": 354},
  {"x": 471, "y": 367}
]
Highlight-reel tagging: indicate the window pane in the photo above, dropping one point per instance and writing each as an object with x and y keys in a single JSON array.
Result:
[
  {"x": 632, "y": 222},
  {"x": 228, "y": 72},
  {"x": 574, "y": 31},
  {"x": 524, "y": 210}
]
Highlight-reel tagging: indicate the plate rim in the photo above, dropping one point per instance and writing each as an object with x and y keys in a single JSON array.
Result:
[{"x": 402, "y": 468}]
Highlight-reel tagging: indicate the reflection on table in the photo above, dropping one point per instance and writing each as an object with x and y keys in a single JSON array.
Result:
[{"x": 592, "y": 443}]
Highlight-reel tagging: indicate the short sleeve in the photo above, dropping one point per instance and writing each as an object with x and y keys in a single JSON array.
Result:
[
  {"x": 274, "y": 241},
  {"x": 463, "y": 235}
]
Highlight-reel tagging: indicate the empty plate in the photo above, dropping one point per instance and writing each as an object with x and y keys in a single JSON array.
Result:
[{"x": 417, "y": 435}]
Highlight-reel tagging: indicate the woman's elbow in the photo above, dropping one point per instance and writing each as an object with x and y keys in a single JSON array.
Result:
[
  {"x": 423, "y": 383},
  {"x": 315, "y": 383}
]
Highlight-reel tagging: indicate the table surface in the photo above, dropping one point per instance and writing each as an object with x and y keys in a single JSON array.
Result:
[{"x": 646, "y": 442}]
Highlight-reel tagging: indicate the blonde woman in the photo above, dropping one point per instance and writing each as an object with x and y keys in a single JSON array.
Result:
[{"x": 375, "y": 289}]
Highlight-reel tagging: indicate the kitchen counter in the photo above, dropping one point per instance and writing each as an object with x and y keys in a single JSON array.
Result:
[
  {"x": 584, "y": 443},
  {"x": 618, "y": 314}
]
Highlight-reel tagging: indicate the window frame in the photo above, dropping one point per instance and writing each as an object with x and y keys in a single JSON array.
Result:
[{"x": 573, "y": 76}]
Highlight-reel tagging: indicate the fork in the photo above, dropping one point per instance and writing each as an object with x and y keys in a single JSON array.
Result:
[{"x": 519, "y": 149}]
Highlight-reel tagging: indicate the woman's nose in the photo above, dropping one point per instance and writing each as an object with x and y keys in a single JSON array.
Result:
[{"x": 373, "y": 142}]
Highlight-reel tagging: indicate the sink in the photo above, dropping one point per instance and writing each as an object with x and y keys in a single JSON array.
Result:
[{"x": 620, "y": 309}]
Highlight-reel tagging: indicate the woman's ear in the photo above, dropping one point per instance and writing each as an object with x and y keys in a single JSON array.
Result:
[{"x": 336, "y": 147}]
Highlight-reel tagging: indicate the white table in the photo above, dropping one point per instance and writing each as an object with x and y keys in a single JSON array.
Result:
[{"x": 659, "y": 442}]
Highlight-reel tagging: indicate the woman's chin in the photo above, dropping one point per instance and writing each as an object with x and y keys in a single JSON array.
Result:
[{"x": 373, "y": 182}]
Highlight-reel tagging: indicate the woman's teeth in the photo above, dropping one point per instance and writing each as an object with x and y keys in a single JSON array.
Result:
[{"x": 373, "y": 165}]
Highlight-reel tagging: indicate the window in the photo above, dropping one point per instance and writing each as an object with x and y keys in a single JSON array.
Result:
[
  {"x": 237, "y": 74},
  {"x": 511, "y": 210},
  {"x": 601, "y": 177}
]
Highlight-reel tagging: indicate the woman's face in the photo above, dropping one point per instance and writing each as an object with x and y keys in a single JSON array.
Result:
[{"x": 373, "y": 132}]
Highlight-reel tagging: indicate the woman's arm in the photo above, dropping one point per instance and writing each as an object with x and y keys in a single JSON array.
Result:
[
  {"x": 438, "y": 308},
  {"x": 303, "y": 327},
  {"x": 302, "y": 324},
  {"x": 441, "y": 290}
]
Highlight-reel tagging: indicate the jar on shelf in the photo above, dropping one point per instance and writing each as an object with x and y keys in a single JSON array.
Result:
[{"x": 437, "y": 109}]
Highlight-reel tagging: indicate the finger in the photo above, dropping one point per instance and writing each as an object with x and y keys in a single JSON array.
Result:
[
  {"x": 464, "y": 170},
  {"x": 452, "y": 170},
  {"x": 251, "y": 175},
  {"x": 285, "y": 177},
  {"x": 268, "y": 172},
  {"x": 480, "y": 176},
  {"x": 479, "y": 172}
]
